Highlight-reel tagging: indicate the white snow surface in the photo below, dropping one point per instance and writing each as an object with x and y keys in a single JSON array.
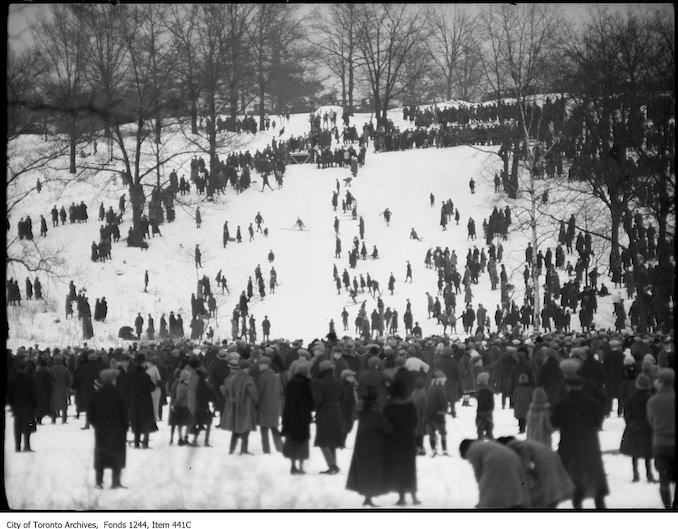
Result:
[{"x": 59, "y": 474}]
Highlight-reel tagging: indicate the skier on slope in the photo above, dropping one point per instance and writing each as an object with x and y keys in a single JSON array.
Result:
[{"x": 300, "y": 224}]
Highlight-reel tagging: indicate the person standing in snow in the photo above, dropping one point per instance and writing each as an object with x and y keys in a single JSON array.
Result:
[
  {"x": 198, "y": 256},
  {"x": 408, "y": 273},
  {"x": 146, "y": 281},
  {"x": 472, "y": 186},
  {"x": 108, "y": 414}
]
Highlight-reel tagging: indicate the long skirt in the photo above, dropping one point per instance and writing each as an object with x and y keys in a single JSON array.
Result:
[{"x": 295, "y": 449}]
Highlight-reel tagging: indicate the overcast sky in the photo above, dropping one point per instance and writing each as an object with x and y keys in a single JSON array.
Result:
[{"x": 21, "y": 16}]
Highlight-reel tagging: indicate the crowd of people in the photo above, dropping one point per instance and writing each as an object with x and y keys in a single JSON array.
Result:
[{"x": 400, "y": 391}]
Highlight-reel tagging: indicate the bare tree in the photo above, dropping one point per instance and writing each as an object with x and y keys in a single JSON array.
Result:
[
  {"x": 105, "y": 64},
  {"x": 451, "y": 42},
  {"x": 525, "y": 40},
  {"x": 60, "y": 51},
  {"x": 387, "y": 34},
  {"x": 334, "y": 37}
]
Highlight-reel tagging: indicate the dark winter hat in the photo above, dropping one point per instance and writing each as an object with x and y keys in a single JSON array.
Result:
[
  {"x": 643, "y": 382},
  {"x": 464, "y": 446},
  {"x": 140, "y": 358},
  {"x": 505, "y": 439}
]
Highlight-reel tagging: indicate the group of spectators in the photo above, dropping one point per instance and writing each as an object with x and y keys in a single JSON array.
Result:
[{"x": 253, "y": 386}]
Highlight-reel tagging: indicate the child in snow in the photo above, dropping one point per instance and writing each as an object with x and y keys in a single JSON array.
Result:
[
  {"x": 485, "y": 397},
  {"x": 539, "y": 418},
  {"x": 522, "y": 396}
]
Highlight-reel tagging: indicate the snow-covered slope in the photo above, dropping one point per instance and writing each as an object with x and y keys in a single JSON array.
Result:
[{"x": 306, "y": 299}]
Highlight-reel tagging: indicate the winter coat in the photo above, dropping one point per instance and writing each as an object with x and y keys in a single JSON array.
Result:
[
  {"x": 547, "y": 479},
  {"x": 376, "y": 379},
  {"x": 61, "y": 383},
  {"x": 436, "y": 403},
  {"x": 637, "y": 437},
  {"x": 139, "y": 389},
  {"x": 298, "y": 409},
  {"x": 43, "y": 385},
  {"x": 22, "y": 398},
  {"x": 538, "y": 422},
  {"x": 366, "y": 474},
  {"x": 327, "y": 394},
  {"x": 593, "y": 370},
  {"x": 614, "y": 373},
  {"x": 401, "y": 447},
  {"x": 579, "y": 417},
  {"x": 240, "y": 395},
  {"x": 418, "y": 398},
  {"x": 107, "y": 413},
  {"x": 502, "y": 483},
  {"x": 661, "y": 414},
  {"x": 551, "y": 379},
  {"x": 268, "y": 403},
  {"x": 347, "y": 407},
  {"x": 84, "y": 383},
  {"x": 522, "y": 397}
]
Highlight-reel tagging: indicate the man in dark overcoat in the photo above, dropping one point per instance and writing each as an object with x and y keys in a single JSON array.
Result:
[
  {"x": 107, "y": 413},
  {"x": 579, "y": 417},
  {"x": 327, "y": 394},
  {"x": 22, "y": 398},
  {"x": 141, "y": 417}
]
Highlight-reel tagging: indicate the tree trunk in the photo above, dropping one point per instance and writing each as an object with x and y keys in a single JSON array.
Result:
[
  {"x": 262, "y": 95},
  {"x": 158, "y": 137},
  {"x": 212, "y": 138},
  {"x": 194, "y": 115},
  {"x": 344, "y": 103},
  {"x": 350, "y": 87},
  {"x": 73, "y": 145},
  {"x": 615, "y": 218},
  {"x": 234, "y": 103},
  {"x": 448, "y": 84}
]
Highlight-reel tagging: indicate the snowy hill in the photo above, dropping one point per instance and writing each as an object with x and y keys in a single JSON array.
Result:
[{"x": 306, "y": 299}]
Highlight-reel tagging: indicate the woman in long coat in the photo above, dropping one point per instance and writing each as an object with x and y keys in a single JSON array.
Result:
[
  {"x": 327, "y": 395},
  {"x": 538, "y": 425},
  {"x": 140, "y": 387},
  {"x": 296, "y": 418},
  {"x": 107, "y": 413},
  {"x": 401, "y": 446},
  {"x": 268, "y": 404},
  {"x": 547, "y": 479},
  {"x": 366, "y": 474},
  {"x": 579, "y": 417},
  {"x": 61, "y": 383},
  {"x": 43, "y": 385},
  {"x": 637, "y": 437},
  {"x": 239, "y": 416},
  {"x": 502, "y": 483}
]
